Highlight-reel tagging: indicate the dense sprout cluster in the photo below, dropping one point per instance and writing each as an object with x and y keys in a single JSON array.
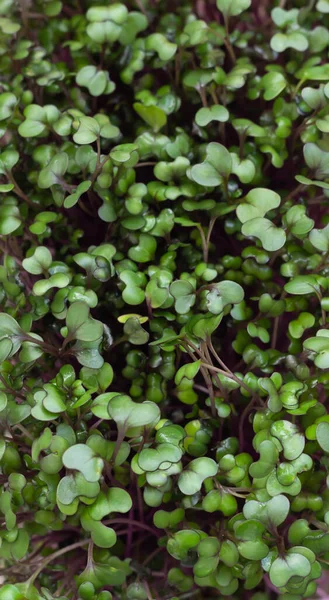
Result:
[{"x": 164, "y": 291}]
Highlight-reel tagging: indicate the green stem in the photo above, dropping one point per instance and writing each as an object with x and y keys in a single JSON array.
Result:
[
  {"x": 225, "y": 186},
  {"x": 98, "y": 169},
  {"x": 297, "y": 189},
  {"x": 227, "y": 41},
  {"x": 98, "y": 144},
  {"x": 204, "y": 243},
  {"x": 210, "y": 229},
  {"x": 120, "y": 439},
  {"x": 229, "y": 375},
  {"x": 90, "y": 553},
  {"x": 298, "y": 86},
  {"x": 275, "y": 332},
  {"x": 55, "y": 555},
  {"x": 323, "y": 312},
  {"x": 203, "y": 96},
  {"x": 149, "y": 163},
  {"x": 23, "y": 430},
  {"x": 17, "y": 190},
  {"x": 227, "y": 372},
  {"x": 214, "y": 353},
  {"x": 178, "y": 60},
  {"x": 47, "y": 347},
  {"x": 132, "y": 522}
]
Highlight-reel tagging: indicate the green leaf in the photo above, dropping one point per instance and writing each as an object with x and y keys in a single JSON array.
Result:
[
  {"x": 161, "y": 457},
  {"x": 192, "y": 478},
  {"x": 53, "y": 172},
  {"x": 9, "y": 326},
  {"x": 257, "y": 203},
  {"x": 273, "y": 84},
  {"x": 7, "y": 104},
  {"x": 145, "y": 249},
  {"x": 204, "y": 116},
  {"x": 216, "y": 166},
  {"x": 297, "y": 221},
  {"x": 59, "y": 280},
  {"x": 322, "y": 6},
  {"x": 128, "y": 414},
  {"x": 87, "y": 353},
  {"x": 105, "y": 22},
  {"x": 182, "y": 542},
  {"x": 319, "y": 238},
  {"x": 295, "y": 39},
  {"x": 112, "y": 500},
  {"x": 268, "y": 458},
  {"x": 39, "y": 262},
  {"x": 292, "y": 441},
  {"x": 88, "y": 130},
  {"x": 298, "y": 326},
  {"x": 125, "y": 154},
  {"x": 322, "y": 436},
  {"x": 72, "y": 199},
  {"x": 317, "y": 160},
  {"x": 190, "y": 371},
  {"x": 271, "y": 237},
  {"x": 318, "y": 73},
  {"x": 152, "y": 115},
  {"x": 100, "y": 403},
  {"x": 184, "y": 294},
  {"x": 71, "y": 487},
  {"x": 8, "y": 159},
  {"x": 244, "y": 169},
  {"x": 10, "y": 218},
  {"x": 158, "y": 43},
  {"x": 303, "y": 284},
  {"x": 102, "y": 536},
  {"x": 135, "y": 332},
  {"x": 82, "y": 458},
  {"x": 41, "y": 443},
  {"x": 273, "y": 512},
  {"x": 97, "y": 81},
  {"x": 80, "y": 325},
  {"x": 232, "y": 8},
  {"x": 292, "y": 565},
  {"x": 319, "y": 344},
  {"x": 283, "y": 18},
  {"x": 307, "y": 181},
  {"x": 37, "y": 119},
  {"x": 222, "y": 294}
]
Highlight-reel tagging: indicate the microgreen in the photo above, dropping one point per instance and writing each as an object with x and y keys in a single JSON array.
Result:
[{"x": 164, "y": 300}]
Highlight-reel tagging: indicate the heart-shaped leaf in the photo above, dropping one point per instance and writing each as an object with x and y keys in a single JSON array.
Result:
[
  {"x": 322, "y": 436},
  {"x": 39, "y": 262},
  {"x": 292, "y": 565},
  {"x": 273, "y": 512},
  {"x": 97, "y": 82},
  {"x": 88, "y": 130},
  {"x": 216, "y": 166},
  {"x": 232, "y": 8},
  {"x": 159, "y": 458},
  {"x": 184, "y": 294},
  {"x": 152, "y": 115},
  {"x": 81, "y": 457},
  {"x": 110, "y": 501},
  {"x": 271, "y": 237},
  {"x": 128, "y": 414},
  {"x": 192, "y": 478},
  {"x": 204, "y": 116},
  {"x": 268, "y": 458},
  {"x": 257, "y": 203}
]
